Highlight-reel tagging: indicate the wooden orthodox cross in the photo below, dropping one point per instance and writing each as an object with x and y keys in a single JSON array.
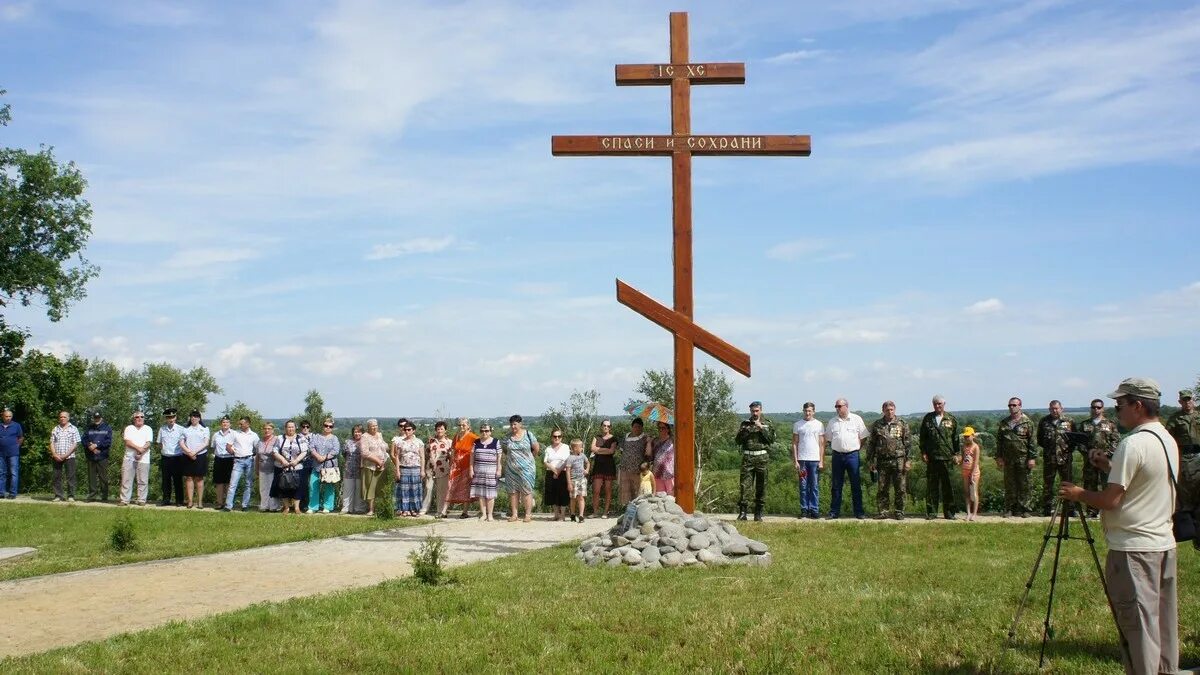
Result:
[{"x": 681, "y": 145}]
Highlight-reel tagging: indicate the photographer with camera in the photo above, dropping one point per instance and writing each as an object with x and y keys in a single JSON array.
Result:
[{"x": 1136, "y": 510}]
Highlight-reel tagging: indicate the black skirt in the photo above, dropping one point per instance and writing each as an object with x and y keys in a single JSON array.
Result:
[
  {"x": 194, "y": 468},
  {"x": 555, "y": 490},
  {"x": 222, "y": 470},
  {"x": 604, "y": 466}
]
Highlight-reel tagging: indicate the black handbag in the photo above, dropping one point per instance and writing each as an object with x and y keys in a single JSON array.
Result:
[
  {"x": 289, "y": 479},
  {"x": 1183, "y": 523}
]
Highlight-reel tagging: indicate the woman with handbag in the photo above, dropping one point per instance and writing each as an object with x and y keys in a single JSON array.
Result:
[
  {"x": 289, "y": 456},
  {"x": 408, "y": 453},
  {"x": 373, "y": 450},
  {"x": 352, "y": 501},
  {"x": 322, "y": 482}
]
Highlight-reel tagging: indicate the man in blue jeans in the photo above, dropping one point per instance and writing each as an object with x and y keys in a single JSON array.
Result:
[
  {"x": 808, "y": 456},
  {"x": 845, "y": 433},
  {"x": 11, "y": 438}
]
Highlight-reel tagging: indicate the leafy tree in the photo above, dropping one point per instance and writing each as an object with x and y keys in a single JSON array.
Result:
[
  {"x": 576, "y": 417},
  {"x": 239, "y": 410},
  {"x": 314, "y": 409},
  {"x": 41, "y": 385},
  {"x": 114, "y": 392},
  {"x": 44, "y": 224},
  {"x": 715, "y": 416},
  {"x": 165, "y": 386}
]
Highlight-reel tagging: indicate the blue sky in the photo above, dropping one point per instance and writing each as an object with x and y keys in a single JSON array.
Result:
[{"x": 359, "y": 197}]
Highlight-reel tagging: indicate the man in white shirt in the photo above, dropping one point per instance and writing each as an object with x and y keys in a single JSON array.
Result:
[
  {"x": 808, "y": 456},
  {"x": 845, "y": 433},
  {"x": 138, "y": 438},
  {"x": 1136, "y": 507},
  {"x": 244, "y": 441}
]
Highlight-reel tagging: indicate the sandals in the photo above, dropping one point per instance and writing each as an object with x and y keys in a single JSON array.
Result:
[{"x": 464, "y": 515}]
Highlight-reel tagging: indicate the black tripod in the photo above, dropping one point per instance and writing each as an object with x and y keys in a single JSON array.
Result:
[{"x": 1061, "y": 517}]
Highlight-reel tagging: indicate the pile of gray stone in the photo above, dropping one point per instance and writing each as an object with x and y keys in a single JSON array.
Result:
[{"x": 655, "y": 532}]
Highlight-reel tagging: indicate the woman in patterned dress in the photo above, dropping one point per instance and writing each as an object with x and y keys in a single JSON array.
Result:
[
  {"x": 409, "y": 455},
  {"x": 439, "y": 451},
  {"x": 663, "y": 464},
  {"x": 519, "y": 448},
  {"x": 459, "y": 491},
  {"x": 486, "y": 471}
]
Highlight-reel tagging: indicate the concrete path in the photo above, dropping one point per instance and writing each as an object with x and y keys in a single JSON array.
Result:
[{"x": 64, "y": 609}]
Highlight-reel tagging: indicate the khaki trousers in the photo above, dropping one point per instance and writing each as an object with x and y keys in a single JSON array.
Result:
[
  {"x": 130, "y": 469},
  {"x": 1141, "y": 586}
]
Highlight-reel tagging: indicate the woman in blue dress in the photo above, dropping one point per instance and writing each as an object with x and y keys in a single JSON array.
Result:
[{"x": 519, "y": 447}]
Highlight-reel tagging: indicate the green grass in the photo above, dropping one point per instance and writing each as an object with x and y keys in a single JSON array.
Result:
[
  {"x": 78, "y": 537},
  {"x": 839, "y": 598}
]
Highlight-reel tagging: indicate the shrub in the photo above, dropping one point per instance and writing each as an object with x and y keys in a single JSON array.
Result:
[
  {"x": 385, "y": 505},
  {"x": 429, "y": 561},
  {"x": 123, "y": 536}
]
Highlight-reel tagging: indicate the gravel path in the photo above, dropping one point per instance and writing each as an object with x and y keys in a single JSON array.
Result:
[{"x": 64, "y": 609}]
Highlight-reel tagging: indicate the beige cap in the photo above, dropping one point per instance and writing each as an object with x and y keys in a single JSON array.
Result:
[{"x": 1142, "y": 387}]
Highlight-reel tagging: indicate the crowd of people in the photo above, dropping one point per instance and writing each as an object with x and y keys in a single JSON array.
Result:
[{"x": 299, "y": 470}]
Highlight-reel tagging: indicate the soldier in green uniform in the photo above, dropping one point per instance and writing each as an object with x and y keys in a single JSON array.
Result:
[
  {"x": 1184, "y": 426},
  {"x": 1056, "y": 452},
  {"x": 1017, "y": 455},
  {"x": 889, "y": 450},
  {"x": 940, "y": 447},
  {"x": 1104, "y": 436},
  {"x": 755, "y": 436}
]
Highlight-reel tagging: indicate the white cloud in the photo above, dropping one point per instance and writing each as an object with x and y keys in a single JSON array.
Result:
[
  {"x": 384, "y": 322},
  {"x": 333, "y": 361},
  {"x": 1075, "y": 383},
  {"x": 845, "y": 335},
  {"x": 409, "y": 247},
  {"x": 793, "y": 56},
  {"x": 112, "y": 344},
  {"x": 232, "y": 357},
  {"x": 15, "y": 11},
  {"x": 288, "y": 350},
  {"x": 59, "y": 348},
  {"x": 795, "y": 250},
  {"x": 161, "y": 321},
  {"x": 509, "y": 363},
  {"x": 985, "y": 307}
]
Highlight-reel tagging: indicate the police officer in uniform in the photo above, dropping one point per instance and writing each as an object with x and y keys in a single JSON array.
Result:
[
  {"x": 889, "y": 450},
  {"x": 755, "y": 437},
  {"x": 1104, "y": 436},
  {"x": 1056, "y": 452},
  {"x": 1017, "y": 455},
  {"x": 1184, "y": 426},
  {"x": 940, "y": 445}
]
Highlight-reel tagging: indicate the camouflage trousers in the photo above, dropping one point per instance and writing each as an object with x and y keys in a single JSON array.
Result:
[
  {"x": 1052, "y": 469},
  {"x": 938, "y": 488},
  {"x": 1189, "y": 488},
  {"x": 753, "y": 481},
  {"x": 892, "y": 478},
  {"x": 1016, "y": 485},
  {"x": 1093, "y": 479}
]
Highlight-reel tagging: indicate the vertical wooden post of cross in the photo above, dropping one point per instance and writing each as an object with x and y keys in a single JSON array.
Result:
[{"x": 681, "y": 223}]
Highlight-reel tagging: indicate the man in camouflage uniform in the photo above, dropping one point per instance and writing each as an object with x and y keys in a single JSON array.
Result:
[
  {"x": 755, "y": 436},
  {"x": 1104, "y": 436},
  {"x": 940, "y": 447},
  {"x": 1056, "y": 452},
  {"x": 1184, "y": 426},
  {"x": 889, "y": 449},
  {"x": 1017, "y": 455}
]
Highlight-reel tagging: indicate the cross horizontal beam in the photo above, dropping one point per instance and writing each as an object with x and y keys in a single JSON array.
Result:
[
  {"x": 695, "y": 144},
  {"x": 650, "y": 74},
  {"x": 682, "y": 326}
]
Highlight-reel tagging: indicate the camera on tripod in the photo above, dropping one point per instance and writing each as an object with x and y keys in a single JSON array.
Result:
[{"x": 1079, "y": 441}]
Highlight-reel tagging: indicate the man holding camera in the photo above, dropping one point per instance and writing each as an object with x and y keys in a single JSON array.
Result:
[
  {"x": 755, "y": 436},
  {"x": 1136, "y": 509}
]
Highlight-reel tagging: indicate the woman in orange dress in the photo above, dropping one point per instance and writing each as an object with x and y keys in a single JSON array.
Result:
[{"x": 460, "y": 470}]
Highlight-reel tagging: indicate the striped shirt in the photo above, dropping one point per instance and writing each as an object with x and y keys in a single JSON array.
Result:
[{"x": 64, "y": 439}]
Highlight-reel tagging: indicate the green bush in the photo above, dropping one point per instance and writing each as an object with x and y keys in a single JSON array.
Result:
[
  {"x": 429, "y": 561},
  {"x": 123, "y": 536},
  {"x": 385, "y": 506}
]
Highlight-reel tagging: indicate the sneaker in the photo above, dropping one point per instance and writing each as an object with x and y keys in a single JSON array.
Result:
[
  {"x": 950, "y": 516},
  {"x": 832, "y": 516},
  {"x": 225, "y": 509},
  {"x": 71, "y": 500},
  {"x": 929, "y": 516},
  {"x": 882, "y": 515},
  {"x": 741, "y": 515},
  {"x": 56, "y": 499},
  {"x": 899, "y": 515},
  {"x": 122, "y": 503},
  {"x": 860, "y": 517},
  {"x": 141, "y": 503}
]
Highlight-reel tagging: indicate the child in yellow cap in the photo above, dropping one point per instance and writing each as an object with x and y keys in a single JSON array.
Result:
[{"x": 970, "y": 472}]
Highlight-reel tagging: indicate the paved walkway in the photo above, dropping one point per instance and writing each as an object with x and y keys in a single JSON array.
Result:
[{"x": 64, "y": 609}]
